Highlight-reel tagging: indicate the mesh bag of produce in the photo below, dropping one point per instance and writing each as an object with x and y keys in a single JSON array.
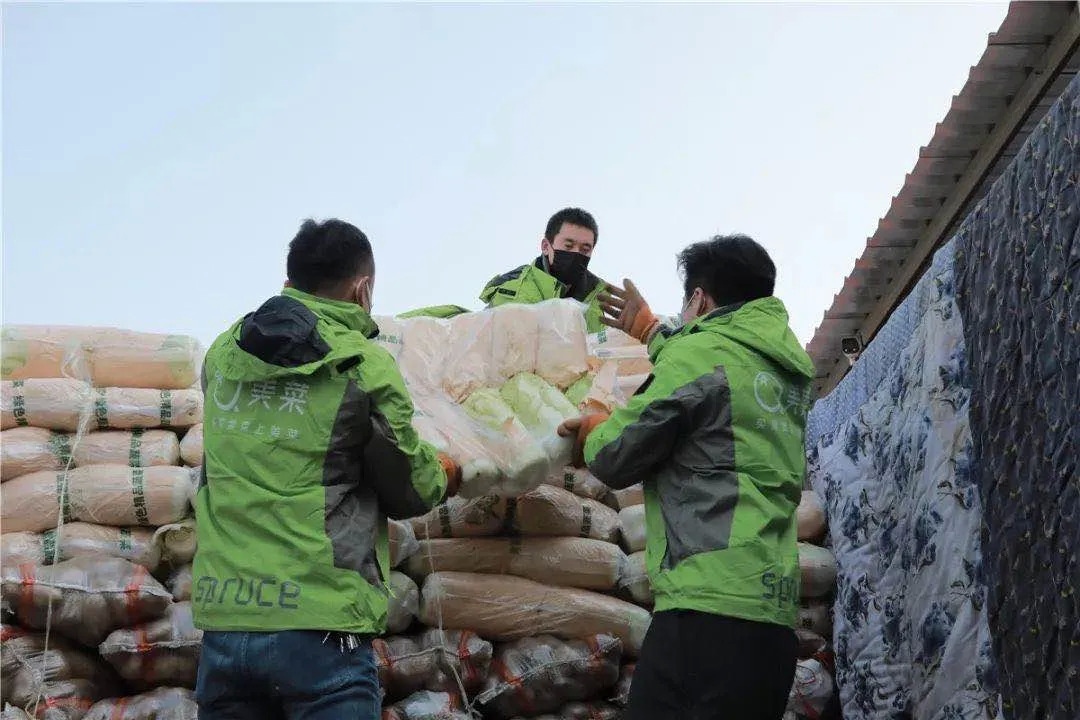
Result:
[
  {"x": 177, "y": 542},
  {"x": 62, "y": 680},
  {"x": 578, "y": 481},
  {"x": 621, "y": 695},
  {"x": 191, "y": 447},
  {"x": 65, "y": 404},
  {"x": 22, "y": 548},
  {"x": 440, "y": 661},
  {"x": 102, "y": 494},
  {"x": 632, "y": 528},
  {"x": 403, "y": 544},
  {"x": 404, "y": 603},
  {"x": 90, "y": 596},
  {"x": 458, "y": 517},
  {"x": 427, "y": 705},
  {"x": 80, "y": 539},
  {"x": 583, "y": 711},
  {"x": 159, "y": 704},
  {"x": 160, "y": 652},
  {"x": 564, "y": 561},
  {"x": 402, "y": 664},
  {"x": 541, "y": 674},
  {"x": 817, "y": 566},
  {"x": 26, "y": 450},
  {"x": 10, "y": 712},
  {"x": 635, "y": 580},
  {"x": 816, "y": 616},
  {"x": 810, "y": 643},
  {"x": 502, "y": 607},
  {"x": 54, "y": 403},
  {"x": 179, "y": 583},
  {"x": 810, "y": 517},
  {"x": 811, "y": 690},
  {"x": 627, "y": 497},
  {"x": 551, "y": 511}
]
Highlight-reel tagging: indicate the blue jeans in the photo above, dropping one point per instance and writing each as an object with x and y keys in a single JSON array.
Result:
[{"x": 288, "y": 675}]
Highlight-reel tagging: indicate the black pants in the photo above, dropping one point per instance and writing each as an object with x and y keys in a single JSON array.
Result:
[{"x": 697, "y": 666}]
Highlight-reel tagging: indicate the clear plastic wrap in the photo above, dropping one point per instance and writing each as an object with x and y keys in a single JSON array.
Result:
[
  {"x": 635, "y": 580},
  {"x": 817, "y": 566},
  {"x": 179, "y": 583},
  {"x": 427, "y": 705},
  {"x": 477, "y": 449},
  {"x": 516, "y": 339},
  {"x": 524, "y": 465},
  {"x": 191, "y": 447},
  {"x": 10, "y": 712},
  {"x": 621, "y": 695},
  {"x": 160, "y": 652},
  {"x": 425, "y": 342},
  {"x": 458, "y": 517},
  {"x": 403, "y": 543},
  {"x": 64, "y": 404},
  {"x": 811, "y": 690},
  {"x": 628, "y": 354},
  {"x": 177, "y": 542},
  {"x": 551, "y": 511},
  {"x": 564, "y": 561},
  {"x": 541, "y": 674},
  {"x": 27, "y": 450},
  {"x": 578, "y": 481},
  {"x": 432, "y": 661},
  {"x": 78, "y": 539},
  {"x": 107, "y": 357},
  {"x": 102, "y": 494},
  {"x": 68, "y": 679},
  {"x": 468, "y": 360},
  {"x": 810, "y": 517},
  {"x": 403, "y": 605},
  {"x": 627, "y": 497},
  {"x": 159, "y": 704},
  {"x": 816, "y": 616},
  {"x": 632, "y": 528},
  {"x": 561, "y": 348},
  {"x": 503, "y": 607},
  {"x": 91, "y": 596},
  {"x": 390, "y": 334}
]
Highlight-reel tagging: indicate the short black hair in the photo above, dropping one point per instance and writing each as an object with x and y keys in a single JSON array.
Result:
[
  {"x": 324, "y": 255},
  {"x": 573, "y": 216},
  {"x": 730, "y": 268}
]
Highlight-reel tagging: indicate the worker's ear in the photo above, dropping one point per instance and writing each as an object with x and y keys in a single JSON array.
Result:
[
  {"x": 547, "y": 250},
  {"x": 288, "y": 283}
]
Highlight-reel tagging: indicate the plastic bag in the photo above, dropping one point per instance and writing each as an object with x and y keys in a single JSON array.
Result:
[
  {"x": 635, "y": 580},
  {"x": 561, "y": 347},
  {"x": 458, "y": 517},
  {"x": 817, "y": 566},
  {"x": 390, "y": 335},
  {"x": 160, "y": 652},
  {"x": 179, "y": 583},
  {"x": 191, "y": 447},
  {"x": 91, "y": 596},
  {"x": 541, "y": 674},
  {"x": 565, "y": 561},
  {"x": 811, "y": 690},
  {"x": 177, "y": 542},
  {"x": 404, "y": 603},
  {"x": 427, "y": 705},
  {"x": 810, "y": 517},
  {"x": 551, "y": 511},
  {"x": 816, "y": 616},
  {"x": 78, "y": 539},
  {"x": 628, "y": 354},
  {"x": 516, "y": 339},
  {"x": 430, "y": 661},
  {"x": 468, "y": 359},
  {"x": 503, "y": 607},
  {"x": 69, "y": 679},
  {"x": 107, "y": 357},
  {"x": 627, "y": 497},
  {"x": 621, "y": 695},
  {"x": 160, "y": 704},
  {"x": 64, "y": 404},
  {"x": 578, "y": 481},
  {"x": 101, "y": 494},
  {"x": 27, "y": 450},
  {"x": 525, "y": 464},
  {"x": 477, "y": 450},
  {"x": 632, "y": 528},
  {"x": 403, "y": 543},
  {"x": 424, "y": 345}
]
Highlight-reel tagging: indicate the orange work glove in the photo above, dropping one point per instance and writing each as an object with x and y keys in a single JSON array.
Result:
[
  {"x": 579, "y": 429},
  {"x": 625, "y": 309},
  {"x": 453, "y": 474}
]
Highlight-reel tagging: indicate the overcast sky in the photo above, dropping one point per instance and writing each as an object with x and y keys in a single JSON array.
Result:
[{"x": 158, "y": 158}]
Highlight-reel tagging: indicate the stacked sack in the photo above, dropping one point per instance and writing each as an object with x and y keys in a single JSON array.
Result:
[
  {"x": 524, "y": 604},
  {"x": 97, "y": 536}
]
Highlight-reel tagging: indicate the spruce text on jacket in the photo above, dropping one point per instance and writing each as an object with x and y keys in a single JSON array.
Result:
[{"x": 262, "y": 591}]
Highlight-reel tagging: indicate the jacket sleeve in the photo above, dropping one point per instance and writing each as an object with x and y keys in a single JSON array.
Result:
[
  {"x": 405, "y": 470},
  {"x": 624, "y": 450}
]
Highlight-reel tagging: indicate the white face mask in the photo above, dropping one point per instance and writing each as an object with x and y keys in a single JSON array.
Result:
[{"x": 692, "y": 308}]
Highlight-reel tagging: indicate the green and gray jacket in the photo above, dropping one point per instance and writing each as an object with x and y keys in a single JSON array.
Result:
[
  {"x": 530, "y": 284},
  {"x": 716, "y": 435},
  {"x": 308, "y": 446}
]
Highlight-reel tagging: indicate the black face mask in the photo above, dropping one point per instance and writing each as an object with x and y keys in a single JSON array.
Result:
[{"x": 569, "y": 267}]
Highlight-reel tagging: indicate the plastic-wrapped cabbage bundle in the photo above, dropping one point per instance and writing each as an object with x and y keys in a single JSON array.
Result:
[
  {"x": 477, "y": 449},
  {"x": 563, "y": 561},
  {"x": 524, "y": 465},
  {"x": 817, "y": 566},
  {"x": 621, "y": 695},
  {"x": 404, "y": 603},
  {"x": 68, "y": 679},
  {"x": 102, "y": 494},
  {"x": 459, "y": 517},
  {"x": 430, "y": 662},
  {"x": 390, "y": 334},
  {"x": 503, "y": 607},
  {"x": 160, "y": 704},
  {"x": 425, "y": 342},
  {"x": 403, "y": 544},
  {"x": 179, "y": 583},
  {"x": 635, "y": 580},
  {"x": 191, "y": 447},
  {"x": 108, "y": 357},
  {"x": 629, "y": 354},
  {"x": 26, "y": 450},
  {"x": 632, "y": 528},
  {"x": 468, "y": 359},
  {"x": 561, "y": 347},
  {"x": 177, "y": 542},
  {"x": 516, "y": 339},
  {"x": 91, "y": 596},
  {"x": 551, "y": 511},
  {"x": 811, "y": 690},
  {"x": 627, "y": 497},
  {"x": 160, "y": 652},
  {"x": 541, "y": 674},
  {"x": 582, "y": 711},
  {"x": 578, "y": 481},
  {"x": 427, "y": 705},
  {"x": 541, "y": 408},
  {"x": 78, "y": 539}
]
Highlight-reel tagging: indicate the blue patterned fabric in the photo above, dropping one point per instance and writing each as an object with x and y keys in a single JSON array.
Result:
[{"x": 911, "y": 636}]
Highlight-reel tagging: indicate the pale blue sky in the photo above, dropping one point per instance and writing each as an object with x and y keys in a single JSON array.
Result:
[{"x": 158, "y": 158}]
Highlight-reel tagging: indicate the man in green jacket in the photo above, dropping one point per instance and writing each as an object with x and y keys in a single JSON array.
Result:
[
  {"x": 716, "y": 436},
  {"x": 308, "y": 446},
  {"x": 561, "y": 271}
]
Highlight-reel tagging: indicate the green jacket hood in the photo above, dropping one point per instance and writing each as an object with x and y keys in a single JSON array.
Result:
[
  {"x": 762, "y": 326},
  {"x": 294, "y": 333}
]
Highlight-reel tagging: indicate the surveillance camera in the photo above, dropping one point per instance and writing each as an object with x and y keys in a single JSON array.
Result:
[{"x": 852, "y": 347}]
